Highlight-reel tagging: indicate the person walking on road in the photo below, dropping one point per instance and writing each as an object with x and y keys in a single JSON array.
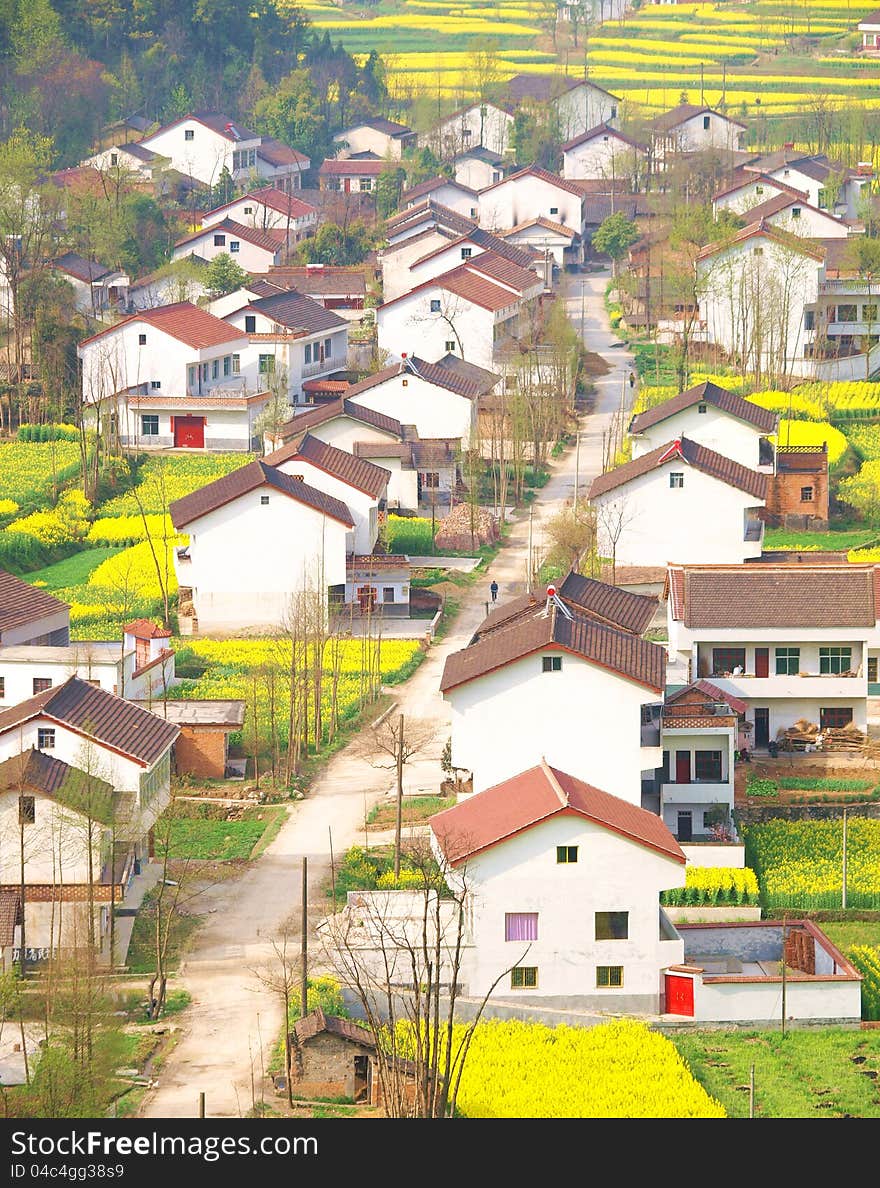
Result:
[
  {"x": 632, "y": 379},
  {"x": 493, "y": 589}
]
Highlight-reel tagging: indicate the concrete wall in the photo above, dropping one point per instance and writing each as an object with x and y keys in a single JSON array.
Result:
[
  {"x": 364, "y": 508},
  {"x": 38, "y": 630},
  {"x": 605, "y": 156},
  {"x": 717, "y": 430},
  {"x": 410, "y": 325},
  {"x": 435, "y": 411}
]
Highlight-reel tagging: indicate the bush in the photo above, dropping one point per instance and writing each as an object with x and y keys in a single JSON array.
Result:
[
  {"x": 60, "y": 432},
  {"x": 756, "y": 787},
  {"x": 8, "y": 507}
]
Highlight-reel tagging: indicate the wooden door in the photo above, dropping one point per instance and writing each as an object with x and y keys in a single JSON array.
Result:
[
  {"x": 189, "y": 432},
  {"x": 762, "y": 727},
  {"x": 366, "y": 596},
  {"x": 682, "y": 767},
  {"x": 679, "y": 995},
  {"x": 762, "y": 662}
]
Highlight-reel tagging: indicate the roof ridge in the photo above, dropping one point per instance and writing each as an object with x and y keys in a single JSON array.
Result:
[{"x": 554, "y": 783}]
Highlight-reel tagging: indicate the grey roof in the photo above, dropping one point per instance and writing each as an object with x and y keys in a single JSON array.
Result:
[
  {"x": 84, "y": 792},
  {"x": 21, "y": 603},
  {"x": 80, "y": 268},
  {"x": 247, "y": 478},
  {"x": 134, "y": 149},
  {"x": 479, "y": 376},
  {"x": 193, "y": 711},
  {"x": 707, "y": 393},
  {"x": 298, "y": 311}
]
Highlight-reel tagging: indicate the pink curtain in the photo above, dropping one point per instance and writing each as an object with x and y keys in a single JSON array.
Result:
[{"x": 521, "y": 926}]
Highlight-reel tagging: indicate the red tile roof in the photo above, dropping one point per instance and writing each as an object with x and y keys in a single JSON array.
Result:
[
  {"x": 332, "y": 167},
  {"x": 21, "y": 603},
  {"x": 184, "y": 321},
  {"x": 246, "y": 479},
  {"x": 279, "y": 154},
  {"x": 540, "y": 794},
  {"x": 553, "y": 179},
  {"x": 712, "y": 693},
  {"x": 272, "y": 198},
  {"x": 707, "y": 393},
  {"x": 145, "y": 629},
  {"x": 767, "y": 230},
  {"x": 753, "y": 482},
  {"x": 270, "y": 239},
  {"x": 356, "y": 472},
  {"x": 342, "y": 407},
  {"x": 547, "y": 225}
]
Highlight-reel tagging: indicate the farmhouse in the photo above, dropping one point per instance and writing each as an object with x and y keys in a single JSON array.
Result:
[
  {"x": 254, "y": 248},
  {"x": 350, "y": 175},
  {"x": 31, "y": 616},
  {"x": 382, "y": 137},
  {"x": 577, "y": 103},
  {"x": 681, "y": 500},
  {"x": 267, "y": 209},
  {"x": 829, "y": 185},
  {"x": 605, "y": 153},
  {"x": 479, "y": 167},
  {"x": 96, "y": 288},
  {"x": 531, "y": 193},
  {"x": 487, "y": 125},
  {"x": 448, "y": 192},
  {"x": 692, "y": 127},
  {"x": 202, "y": 747},
  {"x": 869, "y": 27}
]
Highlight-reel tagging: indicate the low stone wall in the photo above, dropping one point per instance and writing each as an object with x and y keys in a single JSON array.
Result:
[{"x": 712, "y": 915}]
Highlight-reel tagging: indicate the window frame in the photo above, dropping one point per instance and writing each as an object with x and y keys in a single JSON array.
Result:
[
  {"x": 714, "y": 767},
  {"x": 609, "y": 977},
  {"x": 738, "y": 655},
  {"x": 612, "y": 925},
  {"x": 45, "y": 738},
  {"x": 219, "y": 239},
  {"x": 527, "y": 979},
  {"x": 834, "y": 659},
  {"x": 831, "y": 717},
  {"x": 564, "y": 855},
  {"x": 807, "y": 494},
  {"x": 551, "y": 664},
  {"x": 153, "y": 418},
  {"x": 40, "y": 685},
  {"x": 510, "y": 916},
  {"x": 676, "y": 480},
  {"x": 784, "y": 658},
  {"x": 435, "y": 305}
]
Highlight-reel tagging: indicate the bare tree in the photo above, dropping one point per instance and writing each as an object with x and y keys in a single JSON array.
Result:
[
  {"x": 613, "y": 516},
  {"x": 282, "y": 975}
]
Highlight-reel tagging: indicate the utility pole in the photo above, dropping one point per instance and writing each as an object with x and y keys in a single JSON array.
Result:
[
  {"x": 304, "y": 923},
  {"x": 332, "y": 868},
  {"x": 577, "y": 467},
  {"x": 784, "y": 935},
  {"x": 843, "y": 894},
  {"x": 399, "y": 820},
  {"x": 529, "y": 571}
]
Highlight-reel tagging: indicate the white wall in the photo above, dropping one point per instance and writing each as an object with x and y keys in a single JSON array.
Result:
[
  {"x": 239, "y": 575},
  {"x": 453, "y": 197},
  {"x": 364, "y": 139},
  {"x": 611, "y": 874},
  {"x": 584, "y": 720},
  {"x": 250, "y": 256},
  {"x": 477, "y": 174},
  {"x": 518, "y": 199},
  {"x": 92, "y": 662},
  {"x": 225, "y": 428},
  {"x": 363, "y": 507},
  {"x": 251, "y": 212},
  {"x": 691, "y": 136},
  {"x": 582, "y": 108},
  {"x": 753, "y": 193},
  {"x": 700, "y": 523},
  {"x": 604, "y": 156},
  {"x": 717, "y": 430},
  {"x": 811, "y": 224},
  {"x": 468, "y": 129},
  {"x": 762, "y": 1001},
  {"x": 396, "y": 260},
  {"x": 435, "y": 411},
  {"x": 202, "y": 157},
  {"x": 72, "y": 748},
  {"x": 409, "y": 325},
  {"x": 444, "y": 261},
  {"x": 343, "y": 432}
]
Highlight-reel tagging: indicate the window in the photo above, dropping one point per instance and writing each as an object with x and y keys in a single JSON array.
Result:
[
  {"x": 613, "y": 115},
  {"x": 727, "y": 659},
  {"x": 520, "y": 926},
  {"x": 524, "y": 977},
  {"x": 46, "y": 739},
  {"x": 41, "y": 684},
  {"x": 466, "y": 253},
  {"x": 431, "y": 479},
  {"x": 307, "y": 355},
  {"x": 473, "y": 212},
  {"x": 565, "y": 855},
  {"x": 250, "y": 323},
  {"x": 701, "y": 408},
  {"x": 219, "y": 241},
  {"x": 267, "y": 364},
  {"x": 248, "y": 210},
  {"x": 189, "y": 134},
  {"x": 155, "y": 385},
  {"x": 366, "y": 185},
  {"x": 759, "y": 189},
  {"x": 243, "y": 159},
  {"x": 706, "y": 122},
  {"x": 435, "y": 305},
  {"x": 142, "y": 340},
  {"x": 234, "y": 245},
  {"x": 554, "y": 210},
  {"x": 604, "y": 139},
  {"x": 788, "y": 661},
  {"x": 676, "y": 480},
  {"x": 328, "y": 347},
  {"x": 795, "y": 212},
  {"x": 609, "y": 977},
  {"x": 835, "y": 660},
  {"x": 496, "y": 176},
  {"x": 612, "y": 926},
  {"x": 149, "y": 424},
  {"x": 2, "y": 688},
  {"x": 227, "y": 364},
  {"x": 236, "y": 364},
  {"x": 450, "y": 347},
  {"x": 758, "y": 251},
  {"x": 822, "y": 199},
  {"x": 215, "y": 369},
  {"x": 835, "y": 717},
  {"x": 387, "y": 593},
  {"x": 872, "y": 673},
  {"x": 707, "y": 767},
  {"x": 847, "y": 313},
  {"x": 192, "y": 377},
  {"x": 264, "y": 501},
  {"x": 806, "y": 494},
  {"x": 551, "y": 664},
  {"x": 809, "y": 319},
  {"x": 27, "y": 810}
]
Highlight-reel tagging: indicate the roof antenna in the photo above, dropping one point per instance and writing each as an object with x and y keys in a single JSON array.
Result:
[{"x": 553, "y": 597}]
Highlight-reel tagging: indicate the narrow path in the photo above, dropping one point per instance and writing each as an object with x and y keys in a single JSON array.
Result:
[{"x": 234, "y": 1020}]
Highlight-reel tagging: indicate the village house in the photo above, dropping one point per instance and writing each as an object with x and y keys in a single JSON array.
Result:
[
  {"x": 479, "y": 167},
  {"x": 869, "y": 27},
  {"x": 232, "y": 574},
  {"x": 569, "y": 678},
  {"x": 791, "y": 640},
  {"x": 253, "y": 249},
  {"x": 607, "y": 153},
  {"x": 169, "y": 284},
  {"x": 531, "y": 193},
  {"x": 829, "y": 185},
  {"x": 202, "y": 746},
  {"x": 446, "y": 191},
  {"x": 378, "y": 582},
  {"x": 31, "y": 616},
  {"x": 787, "y": 210},
  {"x": 205, "y": 144},
  {"x": 422, "y": 220},
  {"x": 680, "y": 502},
  {"x": 340, "y": 288},
  {"x": 355, "y": 175},
  {"x": 691, "y": 128},
  {"x": 382, "y": 137},
  {"x": 747, "y": 189},
  {"x": 129, "y": 157},
  {"x": 553, "y": 246},
  {"x": 86, "y": 753},
  {"x": 96, "y": 288},
  {"x": 578, "y": 104},
  {"x": 477, "y": 125},
  {"x": 267, "y": 209}
]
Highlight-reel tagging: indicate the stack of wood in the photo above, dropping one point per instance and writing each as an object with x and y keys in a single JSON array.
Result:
[
  {"x": 798, "y": 736},
  {"x": 466, "y": 527},
  {"x": 844, "y": 738}
]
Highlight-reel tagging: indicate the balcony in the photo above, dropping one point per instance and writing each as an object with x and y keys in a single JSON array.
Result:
[
  {"x": 310, "y": 369},
  {"x": 697, "y": 792},
  {"x": 808, "y": 684}
]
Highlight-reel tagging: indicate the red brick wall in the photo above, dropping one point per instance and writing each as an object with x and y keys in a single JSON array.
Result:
[
  {"x": 784, "y": 494},
  {"x": 201, "y": 751}
]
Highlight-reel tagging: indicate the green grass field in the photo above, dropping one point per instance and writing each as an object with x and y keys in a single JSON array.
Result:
[
  {"x": 74, "y": 571},
  {"x": 200, "y": 834}
]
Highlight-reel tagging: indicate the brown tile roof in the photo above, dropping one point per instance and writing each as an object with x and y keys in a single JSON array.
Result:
[
  {"x": 498, "y": 268},
  {"x": 80, "y": 268},
  {"x": 433, "y": 211},
  {"x": 357, "y": 472},
  {"x": 332, "y": 167},
  {"x": 633, "y": 575},
  {"x": 602, "y": 130},
  {"x": 272, "y": 198},
  {"x": 317, "y": 1021},
  {"x": 609, "y": 604},
  {"x": 145, "y": 629},
  {"x": 477, "y": 290},
  {"x": 753, "y": 482},
  {"x": 39, "y": 772},
  {"x": 247, "y": 478},
  {"x": 685, "y": 111},
  {"x": 297, "y": 311},
  {"x": 434, "y": 452},
  {"x": 745, "y": 177},
  {"x": 21, "y": 603},
  {"x": 774, "y": 595},
  {"x": 707, "y": 393},
  {"x": 268, "y": 239},
  {"x": 453, "y": 381},
  {"x": 279, "y": 154},
  {"x": 485, "y": 240},
  {"x": 542, "y": 87},
  {"x": 318, "y": 279},
  {"x": 10, "y": 916},
  {"x": 480, "y": 376},
  {"x": 93, "y": 711},
  {"x": 378, "y": 124},
  {"x": 553, "y": 179},
  {"x": 619, "y": 651},
  {"x": 806, "y": 247},
  {"x": 711, "y": 693},
  {"x": 547, "y": 225},
  {"x": 537, "y": 795},
  {"x": 184, "y": 321},
  {"x": 432, "y": 184},
  {"x": 382, "y": 449},
  {"x": 343, "y": 407}
]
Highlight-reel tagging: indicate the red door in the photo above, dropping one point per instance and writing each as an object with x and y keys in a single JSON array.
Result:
[
  {"x": 682, "y": 767},
  {"x": 679, "y": 995},
  {"x": 189, "y": 431},
  {"x": 762, "y": 662}
]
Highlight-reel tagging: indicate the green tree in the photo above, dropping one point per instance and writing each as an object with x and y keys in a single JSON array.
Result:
[
  {"x": 224, "y": 275},
  {"x": 864, "y": 254},
  {"x": 389, "y": 186},
  {"x": 333, "y": 244},
  {"x": 292, "y": 113},
  {"x": 146, "y": 237},
  {"x": 614, "y": 236}
]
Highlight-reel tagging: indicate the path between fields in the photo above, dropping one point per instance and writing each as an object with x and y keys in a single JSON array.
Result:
[{"x": 233, "y": 1023}]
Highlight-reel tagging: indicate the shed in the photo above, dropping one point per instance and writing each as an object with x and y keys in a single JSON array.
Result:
[
  {"x": 202, "y": 747},
  {"x": 332, "y": 1057}
]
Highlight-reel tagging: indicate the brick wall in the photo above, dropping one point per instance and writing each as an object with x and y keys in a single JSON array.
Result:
[
  {"x": 785, "y": 489},
  {"x": 326, "y": 1060},
  {"x": 201, "y": 751}
]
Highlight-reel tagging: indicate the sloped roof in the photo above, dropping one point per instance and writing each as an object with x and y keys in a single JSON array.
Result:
[
  {"x": 356, "y": 472},
  {"x": 145, "y": 629},
  {"x": 480, "y": 376},
  {"x": 297, "y": 311},
  {"x": 476, "y": 289},
  {"x": 745, "y": 177},
  {"x": 552, "y": 179},
  {"x": 805, "y": 247},
  {"x": 21, "y": 603},
  {"x": 435, "y": 183},
  {"x": 485, "y": 240},
  {"x": 182, "y": 320},
  {"x": 91, "y": 710},
  {"x": 430, "y": 210},
  {"x": 707, "y": 393},
  {"x": 279, "y": 154},
  {"x": 80, "y": 268},
  {"x": 268, "y": 239},
  {"x": 711, "y": 693},
  {"x": 602, "y": 130},
  {"x": 317, "y": 1021},
  {"x": 547, "y": 225},
  {"x": 343, "y": 407},
  {"x": 335, "y": 167},
  {"x": 272, "y": 198},
  {"x": 872, "y": 18},
  {"x": 39, "y": 772},
  {"x": 543, "y": 87},
  {"x": 753, "y": 482},
  {"x": 539, "y": 794},
  {"x": 247, "y": 478},
  {"x": 686, "y": 111},
  {"x": 609, "y": 604}
]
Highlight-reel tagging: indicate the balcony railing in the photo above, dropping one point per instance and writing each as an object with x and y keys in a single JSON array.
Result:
[{"x": 321, "y": 365}]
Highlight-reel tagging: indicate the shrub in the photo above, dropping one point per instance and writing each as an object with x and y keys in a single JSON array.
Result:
[
  {"x": 59, "y": 432},
  {"x": 866, "y": 959},
  {"x": 714, "y": 886}
]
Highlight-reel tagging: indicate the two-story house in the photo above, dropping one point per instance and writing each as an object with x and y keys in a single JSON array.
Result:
[
  {"x": 691, "y": 128},
  {"x": 532, "y": 193},
  {"x": 577, "y": 103},
  {"x": 253, "y": 248},
  {"x": 793, "y": 641},
  {"x": 384, "y": 138},
  {"x": 607, "y": 154},
  {"x": 234, "y": 571},
  {"x": 829, "y": 185},
  {"x": 680, "y": 501},
  {"x": 569, "y": 678},
  {"x": 267, "y": 209}
]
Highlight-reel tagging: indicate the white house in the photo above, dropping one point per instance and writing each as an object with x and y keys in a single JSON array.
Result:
[
  {"x": 798, "y": 217},
  {"x": 458, "y": 250},
  {"x": 829, "y": 185},
  {"x": 531, "y": 193},
  {"x": 790, "y": 640},
  {"x": 357, "y": 176},
  {"x": 31, "y": 616},
  {"x": 553, "y": 245},
  {"x": 713, "y": 417},
  {"x": 681, "y": 501},
  {"x": 604, "y": 153},
  {"x": 427, "y": 216},
  {"x": 357, "y": 483},
  {"x": 412, "y": 236},
  {"x": 578, "y": 103},
  {"x": 446, "y": 191},
  {"x": 252, "y": 248},
  {"x": 129, "y": 157},
  {"x": 234, "y": 570},
  {"x": 691, "y": 128},
  {"x": 267, "y": 209},
  {"x": 383, "y": 137},
  {"x": 96, "y": 288},
  {"x": 479, "y": 167},
  {"x": 487, "y": 125},
  {"x": 562, "y": 884},
  {"x": 869, "y": 27},
  {"x": 205, "y": 143},
  {"x": 181, "y": 281},
  {"x": 749, "y": 189},
  {"x": 570, "y": 679}
]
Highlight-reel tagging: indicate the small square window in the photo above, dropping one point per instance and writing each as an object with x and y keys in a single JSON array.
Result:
[
  {"x": 551, "y": 664},
  {"x": 189, "y": 134},
  {"x": 554, "y": 210},
  {"x": 234, "y": 245},
  {"x": 46, "y": 739},
  {"x": 404, "y": 383},
  {"x": 795, "y": 212},
  {"x": 466, "y": 253},
  {"x": 248, "y": 210},
  {"x": 609, "y": 976},
  {"x": 524, "y": 977},
  {"x": 706, "y": 123},
  {"x": 142, "y": 340},
  {"x": 150, "y": 425},
  {"x": 759, "y": 189},
  {"x": 219, "y": 241},
  {"x": 450, "y": 346},
  {"x": 806, "y": 494},
  {"x": 612, "y": 926},
  {"x": 676, "y": 480},
  {"x": 387, "y": 593},
  {"x": 155, "y": 385},
  {"x": 565, "y": 855},
  {"x": 264, "y": 500},
  {"x": 27, "y": 810},
  {"x": 758, "y": 251},
  {"x": 435, "y": 305},
  {"x": 701, "y": 408},
  {"x": 41, "y": 684},
  {"x": 250, "y": 324},
  {"x": 473, "y": 212}
]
